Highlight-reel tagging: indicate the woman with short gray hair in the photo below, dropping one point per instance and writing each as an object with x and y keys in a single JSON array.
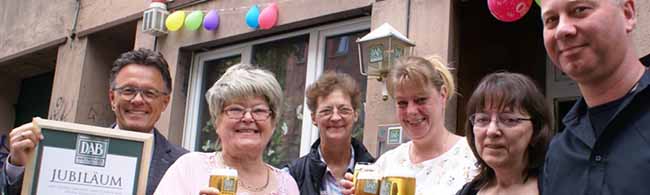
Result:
[
  {"x": 244, "y": 105},
  {"x": 244, "y": 80}
]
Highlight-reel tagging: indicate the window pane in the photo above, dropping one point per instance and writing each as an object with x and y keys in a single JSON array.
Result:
[
  {"x": 287, "y": 58},
  {"x": 343, "y": 56},
  {"x": 206, "y": 140}
]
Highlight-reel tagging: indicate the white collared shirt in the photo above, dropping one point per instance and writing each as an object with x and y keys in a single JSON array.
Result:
[{"x": 329, "y": 184}]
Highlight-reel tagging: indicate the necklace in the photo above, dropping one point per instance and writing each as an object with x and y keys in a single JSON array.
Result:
[{"x": 257, "y": 189}]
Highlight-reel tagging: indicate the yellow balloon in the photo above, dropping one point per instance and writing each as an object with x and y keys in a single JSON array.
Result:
[{"x": 175, "y": 20}]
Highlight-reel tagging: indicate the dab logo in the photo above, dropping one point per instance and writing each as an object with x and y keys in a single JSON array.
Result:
[{"x": 91, "y": 150}]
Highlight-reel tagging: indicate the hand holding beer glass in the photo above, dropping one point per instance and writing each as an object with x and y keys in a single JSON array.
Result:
[
  {"x": 366, "y": 179},
  {"x": 357, "y": 167},
  {"x": 225, "y": 180}
]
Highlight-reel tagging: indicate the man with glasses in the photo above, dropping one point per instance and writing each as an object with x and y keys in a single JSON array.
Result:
[
  {"x": 140, "y": 84},
  {"x": 605, "y": 147}
]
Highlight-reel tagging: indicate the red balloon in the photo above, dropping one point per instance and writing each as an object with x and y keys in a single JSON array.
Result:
[
  {"x": 268, "y": 17},
  {"x": 509, "y": 10}
]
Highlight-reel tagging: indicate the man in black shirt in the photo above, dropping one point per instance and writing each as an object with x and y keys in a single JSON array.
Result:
[{"x": 606, "y": 141}]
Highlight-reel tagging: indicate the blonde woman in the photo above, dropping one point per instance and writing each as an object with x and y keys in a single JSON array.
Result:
[{"x": 441, "y": 161}]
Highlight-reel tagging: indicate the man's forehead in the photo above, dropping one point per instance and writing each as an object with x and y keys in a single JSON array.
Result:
[
  {"x": 140, "y": 69},
  {"x": 553, "y": 5}
]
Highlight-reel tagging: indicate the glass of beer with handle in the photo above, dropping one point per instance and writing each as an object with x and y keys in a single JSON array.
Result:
[
  {"x": 397, "y": 181},
  {"x": 367, "y": 180},
  {"x": 224, "y": 179}
]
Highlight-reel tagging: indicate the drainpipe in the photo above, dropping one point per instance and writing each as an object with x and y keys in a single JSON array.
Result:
[
  {"x": 73, "y": 32},
  {"x": 408, "y": 17}
]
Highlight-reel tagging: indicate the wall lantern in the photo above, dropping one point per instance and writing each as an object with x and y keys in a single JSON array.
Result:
[
  {"x": 379, "y": 49},
  {"x": 153, "y": 20}
]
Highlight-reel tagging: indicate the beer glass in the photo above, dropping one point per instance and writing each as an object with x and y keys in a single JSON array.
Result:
[
  {"x": 367, "y": 181},
  {"x": 357, "y": 167},
  {"x": 398, "y": 181},
  {"x": 224, "y": 179}
]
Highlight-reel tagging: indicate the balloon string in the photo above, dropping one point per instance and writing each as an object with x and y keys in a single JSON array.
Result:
[{"x": 233, "y": 9}]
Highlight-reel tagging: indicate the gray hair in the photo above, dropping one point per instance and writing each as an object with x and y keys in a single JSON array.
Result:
[
  {"x": 245, "y": 80},
  {"x": 144, "y": 57}
]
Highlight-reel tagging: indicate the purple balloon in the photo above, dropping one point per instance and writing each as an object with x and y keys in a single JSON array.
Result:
[{"x": 211, "y": 21}]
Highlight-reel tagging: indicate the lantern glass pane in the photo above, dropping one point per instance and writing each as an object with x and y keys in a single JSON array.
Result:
[
  {"x": 157, "y": 20},
  {"x": 376, "y": 53},
  {"x": 146, "y": 24},
  {"x": 398, "y": 52}
]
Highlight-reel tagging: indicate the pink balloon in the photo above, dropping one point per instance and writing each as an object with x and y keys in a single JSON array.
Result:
[
  {"x": 509, "y": 10},
  {"x": 268, "y": 16}
]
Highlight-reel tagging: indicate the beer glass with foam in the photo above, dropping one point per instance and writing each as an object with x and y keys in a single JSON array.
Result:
[
  {"x": 224, "y": 179},
  {"x": 367, "y": 181},
  {"x": 397, "y": 181},
  {"x": 357, "y": 167}
]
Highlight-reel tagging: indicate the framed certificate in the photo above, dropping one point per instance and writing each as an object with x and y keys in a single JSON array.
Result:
[{"x": 87, "y": 160}]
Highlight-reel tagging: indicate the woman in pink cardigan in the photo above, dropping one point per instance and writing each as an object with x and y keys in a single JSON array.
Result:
[{"x": 244, "y": 107}]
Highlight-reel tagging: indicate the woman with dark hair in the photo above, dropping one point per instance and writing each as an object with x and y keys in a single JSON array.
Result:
[{"x": 508, "y": 131}]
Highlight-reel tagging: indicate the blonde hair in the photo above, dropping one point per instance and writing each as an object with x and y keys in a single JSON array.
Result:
[{"x": 419, "y": 72}]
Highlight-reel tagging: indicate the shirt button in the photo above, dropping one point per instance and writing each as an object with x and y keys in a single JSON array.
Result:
[{"x": 598, "y": 158}]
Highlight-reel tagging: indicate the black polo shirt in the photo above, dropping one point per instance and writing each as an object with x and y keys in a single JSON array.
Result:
[{"x": 615, "y": 162}]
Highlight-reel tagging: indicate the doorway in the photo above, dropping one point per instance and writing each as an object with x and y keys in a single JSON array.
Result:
[
  {"x": 34, "y": 98},
  {"x": 485, "y": 45}
]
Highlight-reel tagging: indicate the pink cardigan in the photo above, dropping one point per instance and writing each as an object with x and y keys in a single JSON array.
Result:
[{"x": 191, "y": 172}]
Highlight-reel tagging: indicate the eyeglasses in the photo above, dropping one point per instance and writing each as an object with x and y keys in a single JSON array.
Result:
[
  {"x": 258, "y": 114},
  {"x": 328, "y": 112},
  {"x": 483, "y": 120},
  {"x": 147, "y": 94}
]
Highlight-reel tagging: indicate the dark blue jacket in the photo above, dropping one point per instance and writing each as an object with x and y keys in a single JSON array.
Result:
[
  {"x": 308, "y": 170},
  {"x": 617, "y": 162}
]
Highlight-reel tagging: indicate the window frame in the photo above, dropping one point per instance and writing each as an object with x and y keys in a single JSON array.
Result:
[
  {"x": 196, "y": 84},
  {"x": 315, "y": 62}
]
